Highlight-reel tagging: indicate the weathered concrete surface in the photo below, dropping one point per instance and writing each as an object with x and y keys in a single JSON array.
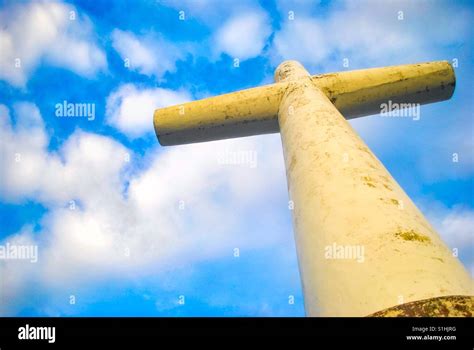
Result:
[
  {"x": 255, "y": 111},
  {"x": 242, "y": 113},
  {"x": 448, "y": 306},
  {"x": 361, "y": 92},
  {"x": 343, "y": 195}
]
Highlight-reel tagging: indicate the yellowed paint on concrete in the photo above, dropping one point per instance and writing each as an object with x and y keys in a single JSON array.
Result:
[
  {"x": 361, "y": 92},
  {"x": 343, "y": 196},
  {"x": 336, "y": 184},
  {"x": 242, "y": 113},
  {"x": 255, "y": 111}
]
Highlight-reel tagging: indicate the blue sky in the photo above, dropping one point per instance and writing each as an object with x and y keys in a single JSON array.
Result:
[{"x": 126, "y": 227}]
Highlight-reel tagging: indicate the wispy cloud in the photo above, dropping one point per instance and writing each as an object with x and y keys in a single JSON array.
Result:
[
  {"x": 243, "y": 36},
  {"x": 46, "y": 31},
  {"x": 130, "y": 109},
  {"x": 456, "y": 227},
  {"x": 148, "y": 54},
  {"x": 369, "y": 33}
]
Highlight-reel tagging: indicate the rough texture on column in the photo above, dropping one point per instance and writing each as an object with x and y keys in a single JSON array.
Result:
[{"x": 345, "y": 198}]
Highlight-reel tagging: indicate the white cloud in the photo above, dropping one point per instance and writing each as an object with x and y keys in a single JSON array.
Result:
[
  {"x": 78, "y": 167},
  {"x": 148, "y": 54},
  {"x": 458, "y": 228},
  {"x": 244, "y": 35},
  {"x": 44, "y": 31},
  {"x": 455, "y": 226},
  {"x": 20, "y": 150},
  {"x": 130, "y": 109},
  {"x": 303, "y": 39},
  {"x": 130, "y": 219},
  {"x": 369, "y": 33}
]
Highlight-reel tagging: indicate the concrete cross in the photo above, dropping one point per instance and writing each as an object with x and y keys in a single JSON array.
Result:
[{"x": 363, "y": 247}]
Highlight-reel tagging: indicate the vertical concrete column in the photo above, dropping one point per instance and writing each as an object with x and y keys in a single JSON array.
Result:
[{"x": 362, "y": 244}]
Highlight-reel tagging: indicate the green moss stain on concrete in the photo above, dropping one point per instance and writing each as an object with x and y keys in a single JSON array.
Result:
[{"x": 411, "y": 235}]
